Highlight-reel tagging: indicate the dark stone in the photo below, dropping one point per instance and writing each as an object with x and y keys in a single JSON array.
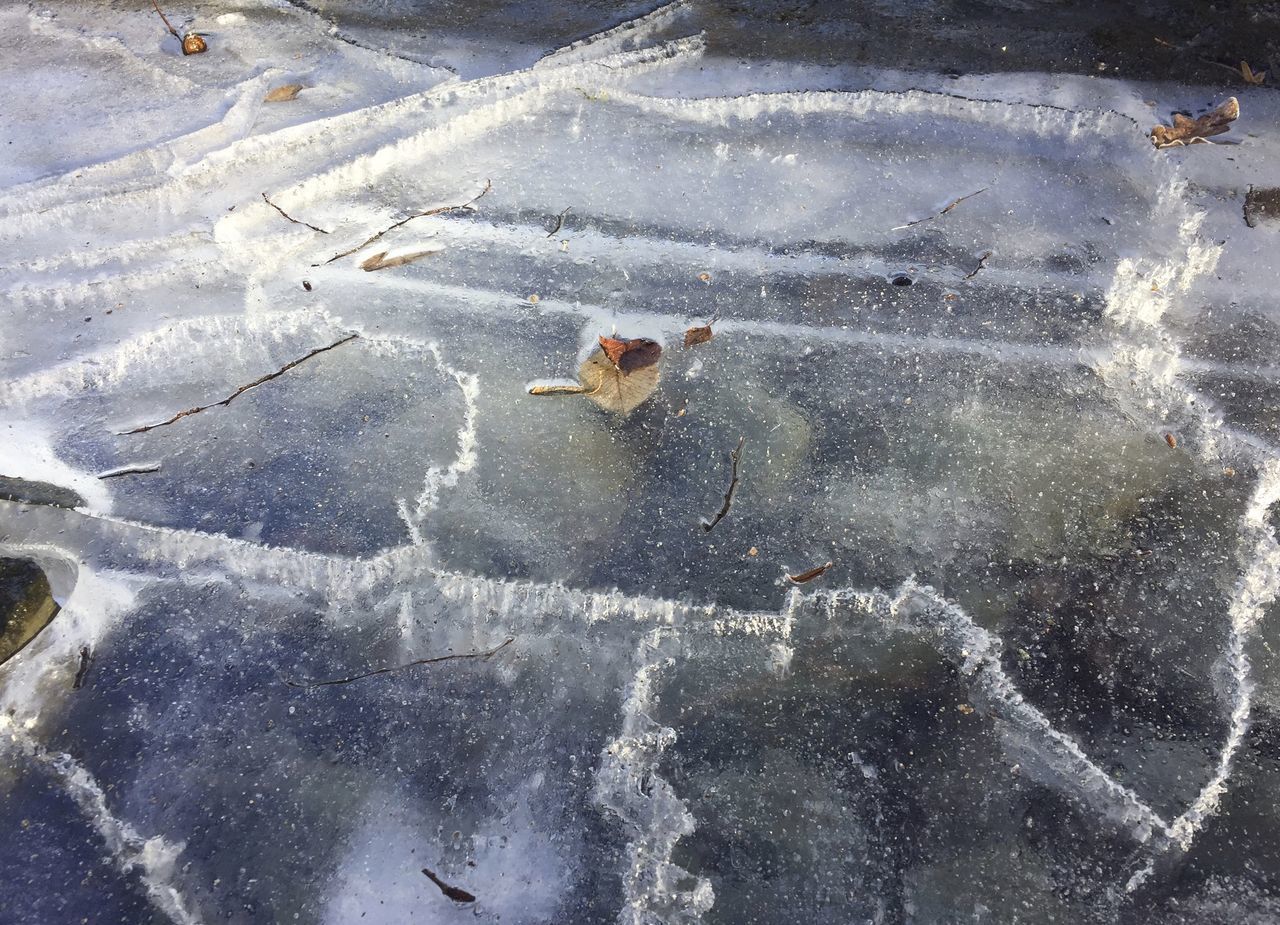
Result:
[
  {"x": 28, "y": 492},
  {"x": 26, "y": 605},
  {"x": 1261, "y": 204}
]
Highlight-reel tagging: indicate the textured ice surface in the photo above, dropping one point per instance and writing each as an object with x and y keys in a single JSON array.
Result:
[{"x": 1004, "y": 365}]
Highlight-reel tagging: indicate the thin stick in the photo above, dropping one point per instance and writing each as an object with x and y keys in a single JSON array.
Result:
[
  {"x": 947, "y": 208},
  {"x": 290, "y": 217},
  {"x": 559, "y": 222},
  {"x": 308, "y": 682},
  {"x": 172, "y": 31},
  {"x": 734, "y": 457},
  {"x": 488, "y": 185},
  {"x": 982, "y": 262},
  {"x": 139, "y": 469},
  {"x": 240, "y": 391}
]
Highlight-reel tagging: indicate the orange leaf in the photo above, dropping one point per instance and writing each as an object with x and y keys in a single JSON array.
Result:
[{"x": 697, "y": 335}]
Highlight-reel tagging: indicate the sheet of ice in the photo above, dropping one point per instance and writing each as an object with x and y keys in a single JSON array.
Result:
[{"x": 971, "y": 330}]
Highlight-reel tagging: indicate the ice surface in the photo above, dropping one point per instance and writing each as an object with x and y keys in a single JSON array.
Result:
[{"x": 1004, "y": 365}]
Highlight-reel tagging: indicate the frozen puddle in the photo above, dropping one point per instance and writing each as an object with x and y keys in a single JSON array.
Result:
[{"x": 1020, "y": 693}]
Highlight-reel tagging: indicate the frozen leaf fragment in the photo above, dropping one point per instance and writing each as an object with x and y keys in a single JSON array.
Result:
[
  {"x": 697, "y": 335},
  {"x": 1171, "y": 440},
  {"x": 1252, "y": 77},
  {"x": 1188, "y": 131},
  {"x": 815, "y": 572},
  {"x": 618, "y": 375},
  {"x": 380, "y": 260},
  {"x": 457, "y": 894},
  {"x": 283, "y": 94},
  {"x": 193, "y": 44}
]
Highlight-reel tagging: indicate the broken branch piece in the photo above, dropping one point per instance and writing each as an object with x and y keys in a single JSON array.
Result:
[
  {"x": 442, "y": 210},
  {"x": 240, "y": 391},
  {"x": 734, "y": 457},
  {"x": 483, "y": 656}
]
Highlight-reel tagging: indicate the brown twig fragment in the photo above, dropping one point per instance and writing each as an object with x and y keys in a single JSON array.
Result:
[
  {"x": 734, "y": 457},
  {"x": 488, "y": 185},
  {"x": 982, "y": 262},
  {"x": 139, "y": 469},
  {"x": 559, "y": 222},
  {"x": 810, "y": 575},
  {"x": 307, "y": 682},
  {"x": 943, "y": 211},
  {"x": 167, "y": 24},
  {"x": 86, "y": 659},
  {"x": 290, "y": 217},
  {"x": 457, "y": 894},
  {"x": 240, "y": 391}
]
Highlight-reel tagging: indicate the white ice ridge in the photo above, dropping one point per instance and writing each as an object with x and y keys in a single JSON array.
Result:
[
  {"x": 1255, "y": 591},
  {"x": 628, "y": 785},
  {"x": 976, "y": 652},
  {"x": 620, "y": 38},
  {"x": 153, "y": 858},
  {"x": 441, "y": 477}
]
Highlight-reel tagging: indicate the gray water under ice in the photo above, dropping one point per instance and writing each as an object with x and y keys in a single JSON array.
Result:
[{"x": 1004, "y": 365}]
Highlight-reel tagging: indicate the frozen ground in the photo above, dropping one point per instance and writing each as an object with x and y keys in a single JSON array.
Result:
[{"x": 1037, "y": 434}]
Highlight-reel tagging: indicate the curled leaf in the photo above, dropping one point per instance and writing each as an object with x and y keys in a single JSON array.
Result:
[
  {"x": 380, "y": 260},
  {"x": 810, "y": 575},
  {"x": 193, "y": 44},
  {"x": 1252, "y": 77},
  {"x": 283, "y": 94},
  {"x": 1171, "y": 440},
  {"x": 1187, "y": 131},
  {"x": 457, "y": 894}
]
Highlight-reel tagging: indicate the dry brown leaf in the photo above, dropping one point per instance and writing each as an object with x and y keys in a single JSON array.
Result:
[
  {"x": 810, "y": 575},
  {"x": 964, "y": 708},
  {"x": 194, "y": 44},
  {"x": 618, "y": 375},
  {"x": 380, "y": 260},
  {"x": 1171, "y": 440},
  {"x": 1186, "y": 131},
  {"x": 621, "y": 373},
  {"x": 283, "y": 94},
  {"x": 697, "y": 335},
  {"x": 1255, "y": 78}
]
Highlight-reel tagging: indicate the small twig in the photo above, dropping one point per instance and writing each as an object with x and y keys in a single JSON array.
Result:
[
  {"x": 308, "y": 682},
  {"x": 559, "y": 222},
  {"x": 172, "y": 31},
  {"x": 139, "y": 469},
  {"x": 86, "y": 659},
  {"x": 945, "y": 209},
  {"x": 457, "y": 894},
  {"x": 240, "y": 391},
  {"x": 982, "y": 262},
  {"x": 734, "y": 457},
  {"x": 488, "y": 185},
  {"x": 290, "y": 217}
]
